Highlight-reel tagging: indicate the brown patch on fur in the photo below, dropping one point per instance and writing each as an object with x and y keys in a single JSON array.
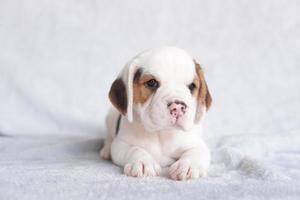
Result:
[
  {"x": 196, "y": 81},
  {"x": 202, "y": 92},
  {"x": 118, "y": 95},
  {"x": 138, "y": 74},
  {"x": 140, "y": 92}
]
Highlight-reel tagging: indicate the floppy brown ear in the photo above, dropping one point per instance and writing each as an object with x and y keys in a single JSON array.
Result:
[
  {"x": 118, "y": 95},
  {"x": 204, "y": 98},
  {"x": 121, "y": 91}
]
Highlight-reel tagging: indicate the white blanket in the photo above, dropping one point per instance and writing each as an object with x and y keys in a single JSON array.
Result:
[{"x": 244, "y": 167}]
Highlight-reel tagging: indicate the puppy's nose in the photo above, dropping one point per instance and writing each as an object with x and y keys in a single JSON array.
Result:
[{"x": 177, "y": 108}]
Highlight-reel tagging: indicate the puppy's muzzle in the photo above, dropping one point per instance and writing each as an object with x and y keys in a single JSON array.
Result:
[{"x": 177, "y": 109}]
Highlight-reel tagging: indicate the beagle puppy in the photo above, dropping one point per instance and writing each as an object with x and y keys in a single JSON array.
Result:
[{"x": 160, "y": 99}]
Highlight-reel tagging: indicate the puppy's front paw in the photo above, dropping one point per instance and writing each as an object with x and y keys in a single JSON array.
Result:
[
  {"x": 142, "y": 168},
  {"x": 186, "y": 170}
]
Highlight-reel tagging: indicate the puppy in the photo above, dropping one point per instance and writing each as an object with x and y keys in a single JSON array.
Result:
[{"x": 160, "y": 99}]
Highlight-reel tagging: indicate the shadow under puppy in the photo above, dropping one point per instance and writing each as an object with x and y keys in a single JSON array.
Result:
[{"x": 160, "y": 99}]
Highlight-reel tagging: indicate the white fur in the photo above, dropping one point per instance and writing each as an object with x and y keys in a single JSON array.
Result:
[{"x": 147, "y": 139}]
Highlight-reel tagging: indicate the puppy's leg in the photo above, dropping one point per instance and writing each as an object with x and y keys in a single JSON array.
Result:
[
  {"x": 136, "y": 161},
  {"x": 105, "y": 151},
  {"x": 192, "y": 164},
  {"x": 110, "y": 122}
]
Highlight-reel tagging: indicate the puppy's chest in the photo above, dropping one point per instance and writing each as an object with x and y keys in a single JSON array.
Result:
[{"x": 165, "y": 148}]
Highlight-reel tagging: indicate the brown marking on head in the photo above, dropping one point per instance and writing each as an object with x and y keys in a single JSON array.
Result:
[
  {"x": 140, "y": 92},
  {"x": 196, "y": 85},
  {"x": 138, "y": 74},
  {"x": 118, "y": 95},
  {"x": 201, "y": 91}
]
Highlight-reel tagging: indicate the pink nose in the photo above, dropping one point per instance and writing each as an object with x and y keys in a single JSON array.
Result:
[{"x": 177, "y": 109}]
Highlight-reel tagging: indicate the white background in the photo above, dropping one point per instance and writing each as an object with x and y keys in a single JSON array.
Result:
[{"x": 58, "y": 59}]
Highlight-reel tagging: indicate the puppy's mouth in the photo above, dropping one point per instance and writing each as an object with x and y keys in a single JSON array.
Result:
[{"x": 176, "y": 123}]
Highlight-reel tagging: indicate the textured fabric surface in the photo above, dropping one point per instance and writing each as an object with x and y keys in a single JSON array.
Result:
[
  {"x": 69, "y": 168},
  {"x": 58, "y": 59}
]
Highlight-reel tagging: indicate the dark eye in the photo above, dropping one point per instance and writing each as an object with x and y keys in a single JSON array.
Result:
[
  {"x": 152, "y": 84},
  {"x": 192, "y": 87}
]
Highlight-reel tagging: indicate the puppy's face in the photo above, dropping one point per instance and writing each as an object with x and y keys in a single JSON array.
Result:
[{"x": 168, "y": 90}]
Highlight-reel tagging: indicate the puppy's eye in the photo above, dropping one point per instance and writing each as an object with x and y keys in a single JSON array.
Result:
[
  {"x": 192, "y": 87},
  {"x": 152, "y": 84}
]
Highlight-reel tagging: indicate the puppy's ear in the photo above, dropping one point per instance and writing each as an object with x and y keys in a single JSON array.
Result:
[
  {"x": 204, "y": 99},
  {"x": 118, "y": 95},
  {"x": 121, "y": 91}
]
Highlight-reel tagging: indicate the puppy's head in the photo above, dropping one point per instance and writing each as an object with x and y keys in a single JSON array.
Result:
[{"x": 163, "y": 89}]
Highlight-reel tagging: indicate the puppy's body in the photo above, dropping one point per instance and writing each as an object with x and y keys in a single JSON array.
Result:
[{"x": 160, "y": 98}]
